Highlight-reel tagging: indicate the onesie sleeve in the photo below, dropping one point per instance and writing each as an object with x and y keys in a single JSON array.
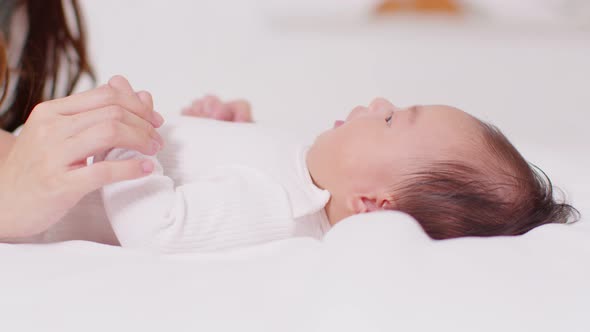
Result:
[{"x": 224, "y": 208}]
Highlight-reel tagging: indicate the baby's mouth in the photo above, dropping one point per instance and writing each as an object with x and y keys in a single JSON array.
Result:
[{"x": 338, "y": 123}]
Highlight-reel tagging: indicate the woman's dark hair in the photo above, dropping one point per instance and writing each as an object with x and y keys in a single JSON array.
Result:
[
  {"x": 504, "y": 195},
  {"x": 3, "y": 70},
  {"x": 52, "y": 62}
]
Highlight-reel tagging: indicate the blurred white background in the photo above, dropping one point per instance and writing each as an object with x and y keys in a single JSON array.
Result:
[{"x": 305, "y": 64}]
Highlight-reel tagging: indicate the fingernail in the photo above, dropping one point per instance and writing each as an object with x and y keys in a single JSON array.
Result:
[{"x": 147, "y": 166}]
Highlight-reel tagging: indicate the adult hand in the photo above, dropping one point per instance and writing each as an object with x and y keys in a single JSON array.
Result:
[
  {"x": 212, "y": 107},
  {"x": 45, "y": 173}
]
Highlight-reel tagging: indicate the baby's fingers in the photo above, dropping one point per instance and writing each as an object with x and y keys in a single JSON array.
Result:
[
  {"x": 212, "y": 104},
  {"x": 222, "y": 114},
  {"x": 241, "y": 109},
  {"x": 204, "y": 107},
  {"x": 196, "y": 109}
]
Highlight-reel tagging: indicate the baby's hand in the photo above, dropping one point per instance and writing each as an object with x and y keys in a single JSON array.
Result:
[{"x": 212, "y": 107}]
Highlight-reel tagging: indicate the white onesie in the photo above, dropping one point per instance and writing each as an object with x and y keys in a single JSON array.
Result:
[{"x": 222, "y": 185}]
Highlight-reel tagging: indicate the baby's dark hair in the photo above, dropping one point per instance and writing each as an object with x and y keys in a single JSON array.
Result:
[{"x": 504, "y": 195}]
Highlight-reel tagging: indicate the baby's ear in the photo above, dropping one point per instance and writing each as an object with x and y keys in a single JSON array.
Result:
[
  {"x": 359, "y": 204},
  {"x": 386, "y": 202},
  {"x": 383, "y": 202},
  {"x": 369, "y": 203}
]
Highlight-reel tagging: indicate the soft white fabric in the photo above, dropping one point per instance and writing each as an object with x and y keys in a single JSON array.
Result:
[
  {"x": 224, "y": 185},
  {"x": 232, "y": 178},
  {"x": 375, "y": 272}
]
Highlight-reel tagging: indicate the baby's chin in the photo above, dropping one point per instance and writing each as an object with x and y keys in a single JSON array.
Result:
[{"x": 330, "y": 131}]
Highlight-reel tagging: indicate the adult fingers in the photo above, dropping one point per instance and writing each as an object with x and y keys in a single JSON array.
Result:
[
  {"x": 92, "y": 177},
  {"x": 82, "y": 121},
  {"x": 105, "y": 136},
  {"x": 146, "y": 99},
  {"x": 96, "y": 98},
  {"x": 102, "y": 96},
  {"x": 122, "y": 84}
]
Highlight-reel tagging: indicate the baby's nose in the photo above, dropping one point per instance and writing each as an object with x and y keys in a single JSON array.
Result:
[
  {"x": 381, "y": 105},
  {"x": 357, "y": 111}
]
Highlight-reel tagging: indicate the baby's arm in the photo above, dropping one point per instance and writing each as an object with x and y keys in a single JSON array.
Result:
[{"x": 228, "y": 207}]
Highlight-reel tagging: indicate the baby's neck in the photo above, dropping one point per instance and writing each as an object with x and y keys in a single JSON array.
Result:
[
  {"x": 314, "y": 178},
  {"x": 329, "y": 209}
]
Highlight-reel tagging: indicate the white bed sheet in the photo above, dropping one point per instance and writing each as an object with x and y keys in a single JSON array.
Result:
[{"x": 375, "y": 273}]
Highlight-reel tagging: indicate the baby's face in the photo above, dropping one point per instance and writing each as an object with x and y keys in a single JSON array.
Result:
[{"x": 376, "y": 146}]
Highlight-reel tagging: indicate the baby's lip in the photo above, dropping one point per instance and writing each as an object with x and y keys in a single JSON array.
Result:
[{"x": 338, "y": 123}]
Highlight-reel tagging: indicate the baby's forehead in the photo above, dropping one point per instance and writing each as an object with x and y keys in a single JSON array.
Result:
[
  {"x": 451, "y": 132},
  {"x": 450, "y": 120},
  {"x": 450, "y": 113}
]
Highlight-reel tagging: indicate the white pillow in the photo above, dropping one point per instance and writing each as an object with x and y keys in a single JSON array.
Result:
[{"x": 392, "y": 273}]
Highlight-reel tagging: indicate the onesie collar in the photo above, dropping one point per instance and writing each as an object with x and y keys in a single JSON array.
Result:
[{"x": 306, "y": 198}]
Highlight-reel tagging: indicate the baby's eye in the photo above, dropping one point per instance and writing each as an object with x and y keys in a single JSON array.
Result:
[{"x": 388, "y": 119}]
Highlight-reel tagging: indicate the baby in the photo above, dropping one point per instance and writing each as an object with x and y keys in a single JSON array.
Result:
[{"x": 219, "y": 185}]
